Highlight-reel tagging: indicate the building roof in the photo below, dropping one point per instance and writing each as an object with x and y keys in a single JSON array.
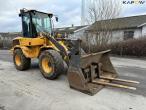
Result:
[
  {"x": 68, "y": 30},
  {"x": 119, "y": 23}
]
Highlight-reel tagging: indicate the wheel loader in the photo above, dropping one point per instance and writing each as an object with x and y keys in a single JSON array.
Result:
[{"x": 87, "y": 73}]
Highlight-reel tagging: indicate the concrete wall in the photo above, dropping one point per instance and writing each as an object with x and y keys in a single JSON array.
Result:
[
  {"x": 137, "y": 33},
  {"x": 117, "y": 35}
]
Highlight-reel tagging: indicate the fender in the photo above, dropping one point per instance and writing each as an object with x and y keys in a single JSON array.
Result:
[
  {"x": 29, "y": 52},
  {"x": 47, "y": 48},
  {"x": 54, "y": 48}
]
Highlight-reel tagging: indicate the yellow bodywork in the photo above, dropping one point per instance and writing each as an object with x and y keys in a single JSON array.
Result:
[{"x": 31, "y": 47}]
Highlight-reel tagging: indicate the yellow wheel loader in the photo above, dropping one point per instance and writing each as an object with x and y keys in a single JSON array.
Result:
[{"x": 87, "y": 73}]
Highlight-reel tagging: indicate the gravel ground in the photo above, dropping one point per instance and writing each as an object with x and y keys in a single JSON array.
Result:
[{"x": 28, "y": 90}]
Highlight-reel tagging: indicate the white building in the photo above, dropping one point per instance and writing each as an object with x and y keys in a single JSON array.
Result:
[
  {"x": 120, "y": 28},
  {"x": 71, "y": 32}
]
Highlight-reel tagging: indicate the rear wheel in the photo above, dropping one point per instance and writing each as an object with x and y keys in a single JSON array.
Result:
[
  {"x": 51, "y": 64},
  {"x": 20, "y": 61}
]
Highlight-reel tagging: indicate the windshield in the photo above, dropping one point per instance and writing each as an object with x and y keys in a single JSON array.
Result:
[{"x": 42, "y": 22}]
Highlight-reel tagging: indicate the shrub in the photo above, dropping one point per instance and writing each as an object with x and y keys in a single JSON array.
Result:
[
  {"x": 1, "y": 44},
  {"x": 131, "y": 47}
]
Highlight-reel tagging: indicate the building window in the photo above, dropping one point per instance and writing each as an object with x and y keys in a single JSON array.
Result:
[{"x": 128, "y": 35}]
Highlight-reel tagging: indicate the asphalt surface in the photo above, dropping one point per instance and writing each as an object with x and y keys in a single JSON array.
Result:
[
  {"x": 5, "y": 55},
  {"x": 28, "y": 90}
]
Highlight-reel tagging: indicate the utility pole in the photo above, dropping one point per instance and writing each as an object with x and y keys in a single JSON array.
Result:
[
  {"x": 83, "y": 12},
  {"x": 85, "y": 4}
]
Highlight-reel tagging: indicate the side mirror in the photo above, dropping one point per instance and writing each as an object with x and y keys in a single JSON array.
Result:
[
  {"x": 20, "y": 15},
  {"x": 56, "y": 19}
]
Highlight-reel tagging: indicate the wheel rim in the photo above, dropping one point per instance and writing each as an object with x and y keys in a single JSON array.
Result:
[
  {"x": 18, "y": 60},
  {"x": 47, "y": 65}
]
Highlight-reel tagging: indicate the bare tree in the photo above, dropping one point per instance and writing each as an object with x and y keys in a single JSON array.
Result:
[{"x": 101, "y": 10}]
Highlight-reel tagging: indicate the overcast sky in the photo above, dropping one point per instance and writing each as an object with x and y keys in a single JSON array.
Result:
[{"x": 69, "y": 12}]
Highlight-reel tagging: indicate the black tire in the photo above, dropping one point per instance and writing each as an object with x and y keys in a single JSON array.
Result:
[
  {"x": 55, "y": 62},
  {"x": 24, "y": 62}
]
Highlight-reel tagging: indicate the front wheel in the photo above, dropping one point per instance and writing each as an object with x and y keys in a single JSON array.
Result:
[
  {"x": 20, "y": 61},
  {"x": 51, "y": 64}
]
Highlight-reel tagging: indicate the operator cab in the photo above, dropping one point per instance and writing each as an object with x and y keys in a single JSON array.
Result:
[{"x": 34, "y": 22}]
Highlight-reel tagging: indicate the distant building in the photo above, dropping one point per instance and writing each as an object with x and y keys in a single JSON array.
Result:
[
  {"x": 69, "y": 31},
  {"x": 120, "y": 29}
]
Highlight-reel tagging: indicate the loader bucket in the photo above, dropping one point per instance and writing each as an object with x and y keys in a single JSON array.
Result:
[{"x": 90, "y": 73}]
